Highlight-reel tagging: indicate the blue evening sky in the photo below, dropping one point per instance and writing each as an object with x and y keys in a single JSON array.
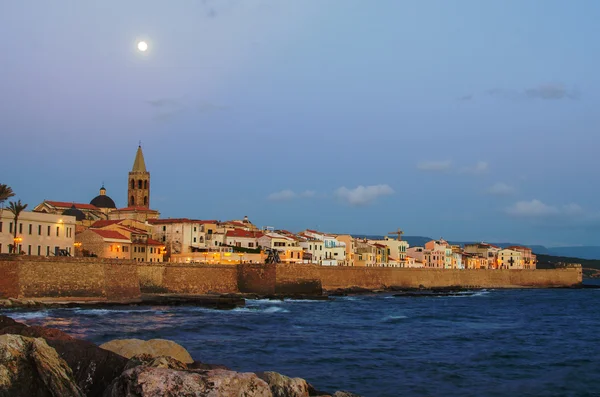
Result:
[{"x": 459, "y": 119}]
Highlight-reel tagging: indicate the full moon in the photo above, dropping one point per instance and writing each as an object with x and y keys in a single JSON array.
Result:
[{"x": 142, "y": 46}]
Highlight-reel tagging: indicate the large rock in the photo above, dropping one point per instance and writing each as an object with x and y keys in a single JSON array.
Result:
[
  {"x": 284, "y": 386},
  {"x": 31, "y": 368},
  {"x": 146, "y": 360},
  {"x": 93, "y": 368},
  {"x": 155, "y": 347},
  {"x": 145, "y": 381},
  {"x": 342, "y": 393}
]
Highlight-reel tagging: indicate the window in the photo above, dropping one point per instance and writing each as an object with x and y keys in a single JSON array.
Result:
[
  {"x": 57, "y": 230},
  {"x": 251, "y": 245},
  {"x": 194, "y": 228},
  {"x": 139, "y": 184},
  {"x": 29, "y": 249},
  {"x": 125, "y": 248},
  {"x": 10, "y": 227},
  {"x": 132, "y": 184},
  {"x": 145, "y": 184},
  {"x": 39, "y": 250},
  {"x": 48, "y": 230},
  {"x": 164, "y": 239},
  {"x": 39, "y": 230},
  {"x": 20, "y": 228},
  {"x": 132, "y": 201},
  {"x": 145, "y": 200},
  {"x": 194, "y": 239},
  {"x": 30, "y": 228},
  {"x": 48, "y": 249},
  {"x": 0, "y": 227},
  {"x": 143, "y": 249}
]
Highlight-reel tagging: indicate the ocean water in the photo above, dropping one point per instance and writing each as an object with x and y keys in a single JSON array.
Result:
[{"x": 492, "y": 343}]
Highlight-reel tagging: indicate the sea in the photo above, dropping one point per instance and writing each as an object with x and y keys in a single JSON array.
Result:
[{"x": 517, "y": 342}]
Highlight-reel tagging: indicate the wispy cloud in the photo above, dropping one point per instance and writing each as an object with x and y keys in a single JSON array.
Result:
[
  {"x": 282, "y": 195},
  {"x": 550, "y": 91},
  {"x": 538, "y": 209},
  {"x": 289, "y": 194},
  {"x": 500, "y": 189},
  {"x": 434, "y": 166},
  {"x": 480, "y": 168},
  {"x": 363, "y": 195}
]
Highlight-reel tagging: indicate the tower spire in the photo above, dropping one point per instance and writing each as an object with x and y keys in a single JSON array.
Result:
[{"x": 139, "y": 165}]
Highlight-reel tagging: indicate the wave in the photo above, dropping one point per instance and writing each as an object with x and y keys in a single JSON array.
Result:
[
  {"x": 250, "y": 309},
  {"x": 27, "y": 315},
  {"x": 394, "y": 319},
  {"x": 267, "y": 301}
]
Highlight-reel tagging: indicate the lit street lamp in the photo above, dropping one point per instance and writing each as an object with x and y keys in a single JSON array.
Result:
[
  {"x": 77, "y": 246},
  {"x": 17, "y": 241}
]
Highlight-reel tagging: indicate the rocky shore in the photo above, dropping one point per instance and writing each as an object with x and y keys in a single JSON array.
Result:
[{"x": 39, "y": 362}]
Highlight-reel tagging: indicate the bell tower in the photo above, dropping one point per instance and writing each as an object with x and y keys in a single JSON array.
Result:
[{"x": 138, "y": 187}]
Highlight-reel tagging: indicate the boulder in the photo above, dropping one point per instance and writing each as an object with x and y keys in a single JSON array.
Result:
[
  {"x": 144, "y": 381},
  {"x": 147, "y": 360},
  {"x": 155, "y": 347},
  {"x": 31, "y": 368},
  {"x": 284, "y": 386},
  {"x": 93, "y": 368},
  {"x": 342, "y": 393}
]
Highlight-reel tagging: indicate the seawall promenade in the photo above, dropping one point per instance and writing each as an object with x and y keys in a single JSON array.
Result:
[{"x": 68, "y": 278}]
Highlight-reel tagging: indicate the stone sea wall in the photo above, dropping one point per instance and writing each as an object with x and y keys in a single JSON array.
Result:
[{"x": 112, "y": 280}]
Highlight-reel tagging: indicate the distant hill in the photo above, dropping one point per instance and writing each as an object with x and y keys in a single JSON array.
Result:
[
  {"x": 591, "y": 267},
  {"x": 585, "y": 252}
]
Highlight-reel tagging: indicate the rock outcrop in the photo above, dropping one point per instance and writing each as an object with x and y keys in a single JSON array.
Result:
[
  {"x": 154, "y": 347},
  {"x": 93, "y": 368},
  {"x": 284, "y": 386},
  {"x": 31, "y": 368},
  {"x": 144, "y": 381}
]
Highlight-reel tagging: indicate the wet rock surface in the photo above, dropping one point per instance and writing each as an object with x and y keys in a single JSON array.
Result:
[
  {"x": 31, "y": 368},
  {"x": 154, "y": 347}
]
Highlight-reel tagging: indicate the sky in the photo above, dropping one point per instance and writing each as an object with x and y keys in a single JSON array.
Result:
[{"x": 466, "y": 120}]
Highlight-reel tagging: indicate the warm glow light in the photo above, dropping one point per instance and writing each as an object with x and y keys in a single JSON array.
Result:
[{"x": 142, "y": 46}]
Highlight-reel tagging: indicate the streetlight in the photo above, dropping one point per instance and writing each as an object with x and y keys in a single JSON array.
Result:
[
  {"x": 17, "y": 241},
  {"x": 77, "y": 246}
]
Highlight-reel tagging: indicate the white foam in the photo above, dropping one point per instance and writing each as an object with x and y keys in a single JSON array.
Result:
[{"x": 27, "y": 315}]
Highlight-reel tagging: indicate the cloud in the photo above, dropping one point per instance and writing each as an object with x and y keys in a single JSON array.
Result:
[
  {"x": 363, "y": 195},
  {"x": 435, "y": 166},
  {"x": 537, "y": 209},
  {"x": 500, "y": 189},
  {"x": 288, "y": 194},
  {"x": 283, "y": 195},
  {"x": 550, "y": 91},
  {"x": 308, "y": 193},
  {"x": 480, "y": 168}
]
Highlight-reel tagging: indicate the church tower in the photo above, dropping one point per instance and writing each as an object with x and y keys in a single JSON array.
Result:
[{"x": 138, "y": 191}]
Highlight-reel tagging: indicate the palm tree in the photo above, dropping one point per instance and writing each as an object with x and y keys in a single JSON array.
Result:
[
  {"x": 16, "y": 208},
  {"x": 6, "y": 192}
]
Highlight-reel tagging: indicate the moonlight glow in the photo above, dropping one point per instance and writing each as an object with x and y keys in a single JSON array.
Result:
[{"x": 142, "y": 46}]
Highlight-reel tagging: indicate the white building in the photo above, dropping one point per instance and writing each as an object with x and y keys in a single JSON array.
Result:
[
  {"x": 38, "y": 233},
  {"x": 396, "y": 249},
  {"x": 182, "y": 235},
  {"x": 325, "y": 249}
]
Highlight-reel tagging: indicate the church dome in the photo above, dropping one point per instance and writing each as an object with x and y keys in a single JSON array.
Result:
[
  {"x": 102, "y": 200},
  {"x": 77, "y": 213}
]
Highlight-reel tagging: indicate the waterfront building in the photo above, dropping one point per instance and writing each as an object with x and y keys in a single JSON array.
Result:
[
  {"x": 529, "y": 258},
  {"x": 325, "y": 249},
  {"x": 350, "y": 243},
  {"x": 103, "y": 243},
  {"x": 396, "y": 248},
  {"x": 473, "y": 261},
  {"x": 184, "y": 236},
  {"x": 37, "y": 233},
  {"x": 418, "y": 253},
  {"x": 510, "y": 259},
  {"x": 485, "y": 250},
  {"x": 289, "y": 247},
  {"x": 242, "y": 238},
  {"x": 440, "y": 254}
]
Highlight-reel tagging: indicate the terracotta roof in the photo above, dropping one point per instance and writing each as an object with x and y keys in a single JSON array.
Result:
[
  {"x": 178, "y": 220},
  {"x": 66, "y": 204},
  {"x": 104, "y": 223},
  {"x": 518, "y": 247},
  {"x": 136, "y": 208},
  {"x": 243, "y": 233},
  {"x": 109, "y": 234},
  {"x": 154, "y": 242}
]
